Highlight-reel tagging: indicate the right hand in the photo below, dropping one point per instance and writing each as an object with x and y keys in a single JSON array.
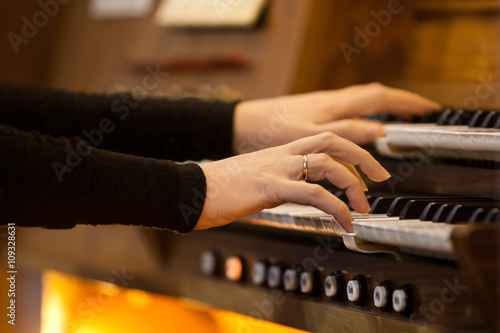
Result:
[
  {"x": 297, "y": 116},
  {"x": 245, "y": 184}
]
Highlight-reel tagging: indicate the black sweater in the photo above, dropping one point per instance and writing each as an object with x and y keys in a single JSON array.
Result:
[{"x": 68, "y": 158}]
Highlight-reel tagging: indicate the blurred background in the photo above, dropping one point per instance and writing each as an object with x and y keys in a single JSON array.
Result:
[{"x": 250, "y": 49}]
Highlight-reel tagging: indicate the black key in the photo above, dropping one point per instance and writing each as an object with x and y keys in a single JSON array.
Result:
[
  {"x": 442, "y": 212},
  {"x": 459, "y": 117},
  {"x": 477, "y": 216},
  {"x": 477, "y": 118},
  {"x": 454, "y": 117},
  {"x": 446, "y": 209},
  {"x": 371, "y": 198},
  {"x": 414, "y": 208},
  {"x": 399, "y": 203},
  {"x": 341, "y": 195},
  {"x": 488, "y": 119},
  {"x": 495, "y": 120},
  {"x": 430, "y": 117},
  {"x": 464, "y": 117},
  {"x": 397, "y": 206},
  {"x": 444, "y": 117},
  {"x": 461, "y": 213},
  {"x": 492, "y": 216},
  {"x": 430, "y": 210},
  {"x": 468, "y": 212},
  {"x": 380, "y": 205}
]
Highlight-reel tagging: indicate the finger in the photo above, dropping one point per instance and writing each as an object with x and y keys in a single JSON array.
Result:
[
  {"x": 356, "y": 130},
  {"x": 341, "y": 149},
  {"x": 342, "y": 175},
  {"x": 323, "y": 166},
  {"x": 369, "y": 98},
  {"x": 354, "y": 171},
  {"x": 314, "y": 195},
  {"x": 400, "y": 101}
]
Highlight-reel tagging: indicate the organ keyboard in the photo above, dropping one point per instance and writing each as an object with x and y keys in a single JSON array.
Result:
[
  {"x": 414, "y": 224},
  {"x": 451, "y": 133},
  {"x": 428, "y": 235}
]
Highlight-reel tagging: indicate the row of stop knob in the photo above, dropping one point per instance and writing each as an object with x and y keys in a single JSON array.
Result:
[{"x": 308, "y": 281}]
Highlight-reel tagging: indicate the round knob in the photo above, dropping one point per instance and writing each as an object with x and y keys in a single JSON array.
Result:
[
  {"x": 356, "y": 289},
  {"x": 382, "y": 296},
  {"x": 291, "y": 278},
  {"x": 334, "y": 285},
  {"x": 353, "y": 290},
  {"x": 402, "y": 300},
  {"x": 259, "y": 272},
  {"x": 209, "y": 262},
  {"x": 274, "y": 276},
  {"x": 309, "y": 281},
  {"x": 399, "y": 300},
  {"x": 234, "y": 268}
]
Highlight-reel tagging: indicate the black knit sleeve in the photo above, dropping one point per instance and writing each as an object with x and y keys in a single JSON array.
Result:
[
  {"x": 186, "y": 129},
  {"x": 57, "y": 183}
]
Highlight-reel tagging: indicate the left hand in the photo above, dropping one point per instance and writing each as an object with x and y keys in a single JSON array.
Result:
[
  {"x": 245, "y": 184},
  {"x": 271, "y": 122}
]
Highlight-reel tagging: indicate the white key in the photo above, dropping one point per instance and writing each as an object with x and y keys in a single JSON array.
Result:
[
  {"x": 408, "y": 233},
  {"x": 443, "y": 141}
]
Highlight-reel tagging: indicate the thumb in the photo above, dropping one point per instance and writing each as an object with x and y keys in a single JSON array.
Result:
[{"x": 355, "y": 130}]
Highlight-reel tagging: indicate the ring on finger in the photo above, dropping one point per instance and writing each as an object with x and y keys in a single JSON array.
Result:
[{"x": 304, "y": 162}]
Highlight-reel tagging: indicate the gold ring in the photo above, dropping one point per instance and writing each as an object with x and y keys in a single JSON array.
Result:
[{"x": 304, "y": 160}]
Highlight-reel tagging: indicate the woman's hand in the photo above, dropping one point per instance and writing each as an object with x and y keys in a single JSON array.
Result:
[
  {"x": 246, "y": 184},
  {"x": 275, "y": 121}
]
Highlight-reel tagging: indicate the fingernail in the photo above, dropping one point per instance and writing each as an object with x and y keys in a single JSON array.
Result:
[
  {"x": 385, "y": 172},
  {"x": 437, "y": 106},
  {"x": 375, "y": 130},
  {"x": 367, "y": 207},
  {"x": 363, "y": 185},
  {"x": 349, "y": 229}
]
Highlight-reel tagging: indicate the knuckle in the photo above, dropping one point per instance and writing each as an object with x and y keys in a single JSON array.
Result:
[
  {"x": 315, "y": 190},
  {"x": 341, "y": 207},
  {"x": 327, "y": 137},
  {"x": 377, "y": 89},
  {"x": 273, "y": 191},
  {"x": 346, "y": 182},
  {"x": 352, "y": 125},
  {"x": 365, "y": 155},
  {"x": 323, "y": 159},
  {"x": 376, "y": 86}
]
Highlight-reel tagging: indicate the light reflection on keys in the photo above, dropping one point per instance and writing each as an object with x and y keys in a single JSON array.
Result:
[
  {"x": 410, "y": 235},
  {"x": 298, "y": 217},
  {"x": 462, "y": 142}
]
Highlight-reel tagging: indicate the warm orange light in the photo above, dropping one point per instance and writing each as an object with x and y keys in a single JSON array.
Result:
[
  {"x": 75, "y": 305},
  {"x": 234, "y": 268}
]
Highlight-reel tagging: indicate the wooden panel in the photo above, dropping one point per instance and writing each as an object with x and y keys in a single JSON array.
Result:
[
  {"x": 26, "y": 47},
  {"x": 343, "y": 45},
  {"x": 98, "y": 55},
  {"x": 441, "y": 49},
  {"x": 478, "y": 252},
  {"x": 455, "y": 45}
]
